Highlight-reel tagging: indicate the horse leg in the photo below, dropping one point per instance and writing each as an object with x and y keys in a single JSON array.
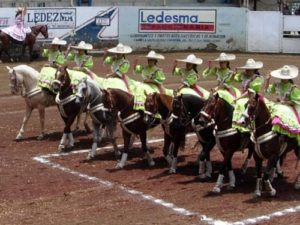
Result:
[
  {"x": 96, "y": 138},
  {"x": 205, "y": 166},
  {"x": 143, "y": 137},
  {"x": 231, "y": 175},
  {"x": 111, "y": 127},
  {"x": 42, "y": 122},
  {"x": 167, "y": 144},
  {"x": 126, "y": 138},
  {"x": 25, "y": 120},
  {"x": 6, "y": 51},
  {"x": 258, "y": 187},
  {"x": 86, "y": 125},
  {"x": 67, "y": 139},
  {"x": 297, "y": 183},
  {"x": 175, "y": 146},
  {"x": 271, "y": 165},
  {"x": 78, "y": 117},
  {"x": 246, "y": 162}
]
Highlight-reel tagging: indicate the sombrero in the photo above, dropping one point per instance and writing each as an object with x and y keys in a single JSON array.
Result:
[
  {"x": 120, "y": 49},
  {"x": 251, "y": 64},
  {"x": 154, "y": 55},
  {"x": 83, "y": 46},
  {"x": 285, "y": 72},
  {"x": 57, "y": 41},
  {"x": 223, "y": 57},
  {"x": 191, "y": 59}
]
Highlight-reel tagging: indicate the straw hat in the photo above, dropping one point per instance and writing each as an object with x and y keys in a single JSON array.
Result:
[
  {"x": 285, "y": 72},
  {"x": 251, "y": 64},
  {"x": 57, "y": 41},
  {"x": 223, "y": 57},
  {"x": 84, "y": 46},
  {"x": 120, "y": 49},
  {"x": 191, "y": 59},
  {"x": 154, "y": 55},
  {"x": 19, "y": 9}
]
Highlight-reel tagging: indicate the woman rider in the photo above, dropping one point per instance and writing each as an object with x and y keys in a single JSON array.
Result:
[{"x": 190, "y": 76}]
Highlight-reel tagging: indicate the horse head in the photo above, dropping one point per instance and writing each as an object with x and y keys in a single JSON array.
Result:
[
  {"x": 107, "y": 98},
  {"x": 15, "y": 81},
  {"x": 151, "y": 107},
  {"x": 81, "y": 91},
  {"x": 62, "y": 79},
  {"x": 43, "y": 29}
]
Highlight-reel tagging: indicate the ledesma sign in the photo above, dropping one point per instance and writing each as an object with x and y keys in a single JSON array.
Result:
[{"x": 176, "y": 20}]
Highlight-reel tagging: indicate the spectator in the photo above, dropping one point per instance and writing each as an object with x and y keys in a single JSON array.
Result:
[{"x": 88, "y": 2}]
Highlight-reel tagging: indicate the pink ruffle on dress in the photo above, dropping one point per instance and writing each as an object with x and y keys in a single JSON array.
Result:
[{"x": 17, "y": 31}]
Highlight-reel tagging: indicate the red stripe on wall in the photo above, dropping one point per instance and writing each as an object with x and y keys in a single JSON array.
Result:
[{"x": 176, "y": 26}]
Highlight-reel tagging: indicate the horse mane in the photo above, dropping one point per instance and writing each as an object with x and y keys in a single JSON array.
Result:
[
  {"x": 26, "y": 70},
  {"x": 192, "y": 103},
  {"x": 228, "y": 107}
]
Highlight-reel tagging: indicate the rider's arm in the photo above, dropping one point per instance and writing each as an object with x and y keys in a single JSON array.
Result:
[
  {"x": 45, "y": 52},
  {"x": 124, "y": 67},
  {"x": 295, "y": 96},
  {"x": 89, "y": 62},
  {"x": 159, "y": 76},
  {"x": 177, "y": 71},
  {"x": 108, "y": 60},
  {"x": 60, "y": 59},
  {"x": 71, "y": 56},
  {"x": 138, "y": 69},
  {"x": 209, "y": 72},
  {"x": 257, "y": 84}
]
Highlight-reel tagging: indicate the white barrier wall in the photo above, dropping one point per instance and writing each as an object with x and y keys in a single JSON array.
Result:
[{"x": 168, "y": 28}]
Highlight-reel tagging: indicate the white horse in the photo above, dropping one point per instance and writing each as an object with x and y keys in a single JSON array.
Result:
[{"x": 23, "y": 80}]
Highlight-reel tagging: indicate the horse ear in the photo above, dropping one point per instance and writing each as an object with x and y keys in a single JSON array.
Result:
[
  {"x": 257, "y": 96},
  {"x": 174, "y": 93},
  {"x": 217, "y": 96}
]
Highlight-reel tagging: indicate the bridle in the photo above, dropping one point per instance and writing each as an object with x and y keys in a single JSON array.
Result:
[{"x": 15, "y": 84}]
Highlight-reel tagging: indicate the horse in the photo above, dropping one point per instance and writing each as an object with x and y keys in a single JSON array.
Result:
[
  {"x": 68, "y": 107},
  {"x": 185, "y": 116},
  {"x": 29, "y": 40},
  {"x": 23, "y": 80},
  {"x": 89, "y": 93},
  {"x": 228, "y": 139},
  {"x": 131, "y": 121},
  {"x": 268, "y": 144}
]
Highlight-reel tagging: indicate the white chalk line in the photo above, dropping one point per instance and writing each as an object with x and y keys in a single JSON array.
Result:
[{"x": 44, "y": 159}]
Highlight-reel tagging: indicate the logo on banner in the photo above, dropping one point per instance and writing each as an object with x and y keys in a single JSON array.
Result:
[
  {"x": 55, "y": 18},
  {"x": 4, "y": 21},
  {"x": 173, "y": 20}
]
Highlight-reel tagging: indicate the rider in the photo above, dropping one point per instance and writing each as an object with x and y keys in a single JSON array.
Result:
[
  {"x": 190, "y": 76},
  {"x": 54, "y": 54},
  {"x": 152, "y": 74},
  {"x": 18, "y": 31},
  {"x": 81, "y": 57},
  {"x": 223, "y": 73},
  {"x": 285, "y": 113},
  {"x": 252, "y": 82}
]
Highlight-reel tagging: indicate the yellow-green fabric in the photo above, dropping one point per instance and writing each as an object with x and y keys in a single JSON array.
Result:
[
  {"x": 119, "y": 67},
  {"x": 285, "y": 92},
  {"x": 76, "y": 76},
  {"x": 152, "y": 73},
  {"x": 82, "y": 61},
  {"x": 54, "y": 57},
  {"x": 222, "y": 75},
  {"x": 47, "y": 75},
  {"x": 189, "y": 77},
  {"x": 255, "y": 84},
  {"x": 229, "y": 97},
  {"x": 190, "y": 91}
]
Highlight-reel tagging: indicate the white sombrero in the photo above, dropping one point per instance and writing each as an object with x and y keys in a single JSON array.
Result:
[
  {"x": 83, "y": 46},
  {"x": 251, "y": 64},
  {"x": 223, "y": 57},
  {"x": 57, "y": 41},
  {"x": 154, "y": 55},
  {"x": 19, "y": 9},
  {"x": 191, "y": 59},
  {"x": 120, "y": 49},
  {"x": 285, "y": 72}
]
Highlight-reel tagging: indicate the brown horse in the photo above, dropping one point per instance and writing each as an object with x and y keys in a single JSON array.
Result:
[
  {"x": 229, "y": 140},
  {"x": 186, "y": 111},
  {"x": 66, "y": 102},
  {"x": 268, "y": 145},
  {"x": 131, "y": 121},
  {"x": 29, "y": 41}
]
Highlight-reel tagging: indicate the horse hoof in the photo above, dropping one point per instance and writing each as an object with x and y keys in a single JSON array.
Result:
[
  {"x": 168, "y": 159},
  {"x": 202, "y": 176},
  {"x": 119, "y": 166},
  {"x": 172, "y": 171},
  {"x": 90, "y": 157},
  {"x": 272, "y": 193},
  {"x": 19, "y": 137},
  {"x": 230, "y": 187},
  {"x": 61, "y": 148},
  {"x": 216, "y": 190},
  {"x": 297, "y": 186},
  {"x": 40, "y": 137},
  {"x": 257, "y": 194},
  {"x": 118, "y": 154},
  {"x": 151, "y": 163}
]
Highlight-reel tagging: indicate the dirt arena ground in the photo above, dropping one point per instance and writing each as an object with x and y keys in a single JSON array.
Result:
[{"x": 39, "y": 187}]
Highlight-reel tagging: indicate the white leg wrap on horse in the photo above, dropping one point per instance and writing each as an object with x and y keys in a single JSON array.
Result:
[
  {"x": 168, "y": 159},
  {"x": 63, "y": 139},
  {"x": 278, "y": 167},
  {"x": 219, "y": 184},
  {"x": 297, "y": 183},
  {"x": 92, "y": 153},
  {"x": 231, "y": 178},
  {"x": 202, "y": 170},
  {"x": 71, "y": 140},
  {"x": 121, "y": 164},
  {"x": 208, "y": 168},
  {"x": 149, "y": 159},
  {"x": 269, "y": 188},
  {"x": 173, "y": 165},
  {"x": 273, "y": 174},
  {"x": 245, "y": 166},
  {"x": 257, "y": 192}
]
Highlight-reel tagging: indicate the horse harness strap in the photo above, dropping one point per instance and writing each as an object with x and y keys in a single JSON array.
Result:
[
  {"x": 223, "y": 134},
  {"x": 131, "y": 118},
  {"x": 62, "y": 102},
  {"x": 198, "y": 128},
  {"x": 264, "y": 138},
  {"x": 33, "y": 92},
  {"x": 96, "y": 108}
]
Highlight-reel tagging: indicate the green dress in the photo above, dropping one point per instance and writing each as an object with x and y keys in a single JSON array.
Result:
[
  {"x": 82, "y": 61},
  {"x": 286, "y": 117},
  {"x": 152, "y": 73},
  {"x": 253, "y": 84},
  {"x": 47, "y": 73},
  {"x": 189, "y": 80}
]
